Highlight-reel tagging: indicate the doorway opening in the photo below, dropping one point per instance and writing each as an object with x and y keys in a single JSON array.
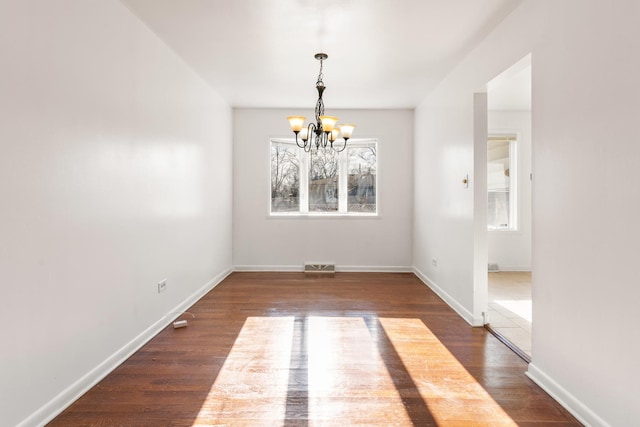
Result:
[{"x": 509, "y": 269}]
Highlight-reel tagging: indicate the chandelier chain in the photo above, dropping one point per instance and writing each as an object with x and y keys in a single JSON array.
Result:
[{"x": 320, "y": 76}]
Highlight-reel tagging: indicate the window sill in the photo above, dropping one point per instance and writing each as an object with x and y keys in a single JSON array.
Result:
[
  {"x": 505, "y": 231},
  {"x": 311, "y": 215}
]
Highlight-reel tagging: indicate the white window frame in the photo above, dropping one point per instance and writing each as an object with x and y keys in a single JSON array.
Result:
[
  {"x": 343, "y": 173},
  {"x": 514, "y": 181}
]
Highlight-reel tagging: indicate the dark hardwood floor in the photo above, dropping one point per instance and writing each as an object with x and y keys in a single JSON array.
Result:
[{"x": 357, "y": 349}]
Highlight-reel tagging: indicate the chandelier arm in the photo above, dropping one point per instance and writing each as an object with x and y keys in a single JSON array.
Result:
[
  {"x": 311, "y": 129},
  {"x": 322, "y": 139},
  {"x": 344, "y": 145}
]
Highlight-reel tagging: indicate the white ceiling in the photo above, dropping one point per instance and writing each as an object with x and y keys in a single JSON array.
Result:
[{"x": 382, "y": 53}]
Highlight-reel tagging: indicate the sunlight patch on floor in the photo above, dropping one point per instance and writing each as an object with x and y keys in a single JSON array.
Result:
[
  {"x": 521, "y": 308},
  {"x": 450, "y": 391},
  {"x": 348, "y": 379},
  {"x": 329, "y": 370},
  {"x": 254, "y": 379}
]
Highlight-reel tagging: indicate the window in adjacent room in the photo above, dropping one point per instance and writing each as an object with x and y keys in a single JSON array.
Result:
[
  {"x": 501, "y": 182},
  {"x": 324, "y": 182}
]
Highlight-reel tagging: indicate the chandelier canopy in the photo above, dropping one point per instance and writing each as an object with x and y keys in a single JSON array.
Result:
[{"x": 325, "y": 128}]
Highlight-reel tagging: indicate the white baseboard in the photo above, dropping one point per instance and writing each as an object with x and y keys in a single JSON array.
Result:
[
  {"x": 514, "y": 268},
  {"x": 274, "y": 268},
  {"x": 578, "y": 409},
  {"x": 339, "y": 268},
  {"x": 455, "y": 305},
  {"x": 373, "y": 269},
  {"x": 72, "y": 393}
]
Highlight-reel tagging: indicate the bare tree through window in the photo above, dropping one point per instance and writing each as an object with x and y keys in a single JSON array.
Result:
[
  {"x": 324, "y": 181},
  {"x": 362, "y": 179},
  {"x": 285, "y": 179}
]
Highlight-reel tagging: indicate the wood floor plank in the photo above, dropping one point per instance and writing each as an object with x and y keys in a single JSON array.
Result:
[{"x": 355, "y": 349}]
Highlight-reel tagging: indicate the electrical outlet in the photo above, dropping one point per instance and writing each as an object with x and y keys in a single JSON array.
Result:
[
  {"x": 434, "y": 262},
  {"x": 162, "y": 285}
]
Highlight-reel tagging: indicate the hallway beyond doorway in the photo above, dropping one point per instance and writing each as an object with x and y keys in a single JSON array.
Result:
[{"x": 510, "y": 307}]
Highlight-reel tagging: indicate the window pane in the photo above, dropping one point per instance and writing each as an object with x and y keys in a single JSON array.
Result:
[
  {"x": 499, "y": 185},
  {"x": 323, "y": 181},
  {"x": 361, "y": 185},
  {"x": 285, "y": 178},
  {"x": 498, "y": 210}
]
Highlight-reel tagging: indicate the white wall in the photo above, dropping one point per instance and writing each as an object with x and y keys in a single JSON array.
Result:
[
  {"x": 115, "y": 173},
  {"x": 263, "y": 243},
  {"x": 511, "y": 250},
  {"x": 586, "y": 202}
]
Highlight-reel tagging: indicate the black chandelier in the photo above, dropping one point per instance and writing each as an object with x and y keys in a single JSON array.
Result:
[{"x": 325, "y": 129}]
